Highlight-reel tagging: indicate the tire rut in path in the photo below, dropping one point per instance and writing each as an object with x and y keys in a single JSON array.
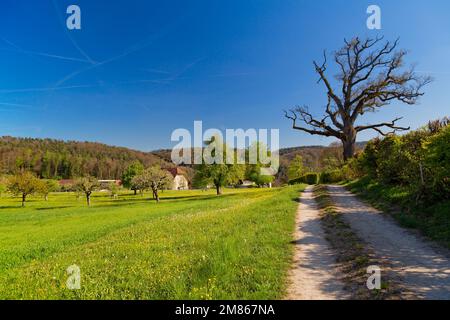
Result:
[
  {"x": 424, "y": 269},
  {"x": 314, "y": 275}
]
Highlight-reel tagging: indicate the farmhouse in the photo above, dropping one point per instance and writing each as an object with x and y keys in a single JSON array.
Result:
[{"x": 179, "y": 179}]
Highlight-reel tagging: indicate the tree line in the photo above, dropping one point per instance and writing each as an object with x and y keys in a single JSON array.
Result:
[
  {"x": 26, "y": 183},
  {"x": 55, "y": 159}
]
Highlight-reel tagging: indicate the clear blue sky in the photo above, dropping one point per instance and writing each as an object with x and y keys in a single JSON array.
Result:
[{"x": 140, "y": 69}]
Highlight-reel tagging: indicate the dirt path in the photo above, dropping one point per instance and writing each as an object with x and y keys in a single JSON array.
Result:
[
  {"x": 314, "y": 276},
  {"x": 424, "y": 270}
]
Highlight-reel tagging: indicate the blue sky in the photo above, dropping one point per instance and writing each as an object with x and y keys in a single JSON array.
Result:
[{"x": 137, "y": 70}]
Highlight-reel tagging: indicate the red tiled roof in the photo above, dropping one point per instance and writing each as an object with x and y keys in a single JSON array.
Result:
[
  {"x": 66, "y": 182},
  {"x": 176, "y": 171}
]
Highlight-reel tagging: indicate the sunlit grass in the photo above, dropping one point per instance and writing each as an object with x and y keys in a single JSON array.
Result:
[{"x": 191, "y": 245}]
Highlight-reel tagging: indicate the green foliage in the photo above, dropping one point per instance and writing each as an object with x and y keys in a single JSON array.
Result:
[
  {"x": 54, "y": 159},
  {"x": 437, "y": 159},
  {"x": 47, "y": 186},
  {"x": 113, "y": 188},
  {"x": 311, "y": 178},
  {"x": 411, "y": 174},
  {"x": 254, "y": 174},
  {"x": 136, "y": 168},
  {"x": 417, "y": 161},
  {"x": 87, "y": 185},
  {"x": 261, "y": 180},
  {"x": 296, "y": 169},
  {"x": 153, "y": 178},
  {"x": 259, "y": 172},
  {"x": 331, "y": 157},
  {"x": 218, "y": 173},
  {"x": 24, "y": 183},
  {"x": 3, "y": 185},
  {"x": 332, "y": 176}
]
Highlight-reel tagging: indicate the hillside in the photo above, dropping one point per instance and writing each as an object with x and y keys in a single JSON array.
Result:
[{"x": 50, "y": 158}]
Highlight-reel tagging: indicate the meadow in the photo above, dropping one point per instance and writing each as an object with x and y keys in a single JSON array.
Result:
[{"x": 192, "y": 245}]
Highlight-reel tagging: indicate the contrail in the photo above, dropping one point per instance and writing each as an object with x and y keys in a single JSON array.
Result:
[
  {"x": 61, "y": 20},
  {"x": 16, "y": 105},
  {"x": 43, "y": 54},
  {"x": 156, "y": 71},
  {"x": 136, "y": 47},
  {"x": 45, "y": 89}
]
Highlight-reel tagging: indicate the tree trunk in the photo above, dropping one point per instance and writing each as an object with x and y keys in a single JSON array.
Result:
[
  {"x": 349, "y": 142},
  {"x": 88, "y": 199},
  {"x": 135, "y": 191},
  {"x": 46, "y": 197},
  {"x": 218, "y": 190},
  {"x": 24, "y": 198},
  {"x": 155, "y": 193}
]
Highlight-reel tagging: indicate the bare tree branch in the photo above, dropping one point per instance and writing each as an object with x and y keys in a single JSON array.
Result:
[
  {"x": 377, "y": 127},
  {"x": 371, "y": 76},
  {"x": 316, "y": 127}
]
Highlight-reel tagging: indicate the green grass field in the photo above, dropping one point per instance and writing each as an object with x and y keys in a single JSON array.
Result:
[{"x": 192, "y": 245}]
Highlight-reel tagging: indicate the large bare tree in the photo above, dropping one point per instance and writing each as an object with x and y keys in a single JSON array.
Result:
[{"x": 371, "y": 75}]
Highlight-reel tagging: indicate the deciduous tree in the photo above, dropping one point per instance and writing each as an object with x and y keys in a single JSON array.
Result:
[
  {"x": 47, "y": 186},
  {"x": 24, "y": 183},
  {"x": 218, "y": 174},
  {"x": 371, "y": 76},
  {"x": 158, "y": 179},
  {"x": 136, "y": 168},
  {"x": 87, "y": 185},
  {"x": 296, "y": 169}
]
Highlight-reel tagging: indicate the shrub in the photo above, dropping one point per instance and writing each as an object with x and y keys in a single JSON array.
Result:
[
  {"x": 332, "y": 176},
  {"x": 296, "y": 181},
  {"x": 418, "y": 162},
  {"x": 437, "y": 161},
  {"x": 309, "y": 178},
  {"x": 353, "y": 169}
]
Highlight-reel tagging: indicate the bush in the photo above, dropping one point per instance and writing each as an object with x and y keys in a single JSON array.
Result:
[
  {"x": 437, "y": 162},
  {"x": 312, "y": 178},
  {"x": 309, "y": 178},
  {"x": 332, "y": 176},
  {"x": 353, "y": 169},
  {"x": 419, "y": 162}
]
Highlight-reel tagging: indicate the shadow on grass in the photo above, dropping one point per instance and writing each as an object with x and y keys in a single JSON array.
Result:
[{"x": 53, "y": 208}]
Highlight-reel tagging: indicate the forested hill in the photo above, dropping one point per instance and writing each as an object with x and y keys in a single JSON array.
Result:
[
  {"x": 50, "y": 158},
  {"x": 56, "y": 159}
]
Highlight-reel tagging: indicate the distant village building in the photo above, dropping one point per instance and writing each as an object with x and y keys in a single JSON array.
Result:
[
  {"x": 66, "y": 182},
  {"x": 104, "y": 184},
  {"x": 179, "y": 179}
]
